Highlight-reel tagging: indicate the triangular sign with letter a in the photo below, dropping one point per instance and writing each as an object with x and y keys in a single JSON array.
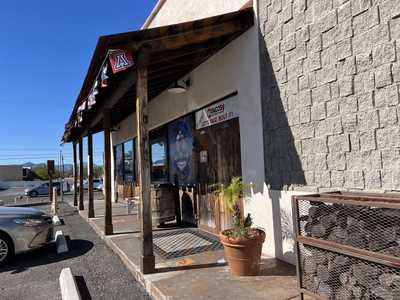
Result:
[{"x": 120, "y": 60}]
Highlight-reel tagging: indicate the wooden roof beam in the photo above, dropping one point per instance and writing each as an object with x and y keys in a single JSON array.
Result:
[
  {"x": 109, "y": 103},
  {"x": 166, "y": 56},
  {"x": 168, "y": 41}
]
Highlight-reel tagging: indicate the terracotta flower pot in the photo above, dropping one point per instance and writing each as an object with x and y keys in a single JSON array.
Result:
[{"x": 243, "y": 255}]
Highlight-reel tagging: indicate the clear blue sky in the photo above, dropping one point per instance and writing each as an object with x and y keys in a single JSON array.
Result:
[{"x": 44, "y": 55}]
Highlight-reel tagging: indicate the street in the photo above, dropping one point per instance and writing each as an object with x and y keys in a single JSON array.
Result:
[{"x": 99, "y": 272}]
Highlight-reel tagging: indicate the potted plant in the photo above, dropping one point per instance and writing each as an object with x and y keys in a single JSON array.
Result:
[{"x": 242, "y": 243}]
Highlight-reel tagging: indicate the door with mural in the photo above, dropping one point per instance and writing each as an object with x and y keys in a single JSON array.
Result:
[{"x": 219, "y": 159}]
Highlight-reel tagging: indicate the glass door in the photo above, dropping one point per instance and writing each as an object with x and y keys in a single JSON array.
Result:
[{"x": 218, "y": 148}]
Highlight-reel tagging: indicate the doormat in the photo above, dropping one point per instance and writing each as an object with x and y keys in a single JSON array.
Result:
[{"x": 184, "y": 242}]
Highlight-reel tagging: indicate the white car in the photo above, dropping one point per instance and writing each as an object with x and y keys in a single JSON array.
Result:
[
  {"x": 23, "y": 229},
  {"x": 100, "y": 187},
  {"x": 97, "y": 185},
  {"x": 3, "y": 186}
]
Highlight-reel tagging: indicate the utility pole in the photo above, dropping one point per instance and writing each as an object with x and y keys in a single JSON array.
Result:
[
  {"x": 50, "y": 172},
  {"x": 62, "y": 175}
]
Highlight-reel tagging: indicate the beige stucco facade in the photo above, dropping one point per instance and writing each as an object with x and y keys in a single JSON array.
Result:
[
  {"x": 233, "y": 69},
  {"x": 178, "y": 11}
]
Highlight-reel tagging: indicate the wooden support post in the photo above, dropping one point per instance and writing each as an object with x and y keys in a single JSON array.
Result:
[
  {"x": 108, "y": 226},
  {"x": 147, "y": 262},
  {"x": 75, "y": 175},
  {"x": 81, "y": 187},
  {"x": 54, "y": 203},
  {"x": 50, "y": 172},
  {"x": 50, "y": 188},
  {"x": 90, "y": 176}
]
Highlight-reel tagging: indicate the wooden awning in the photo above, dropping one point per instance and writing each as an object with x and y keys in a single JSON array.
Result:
[{"x": 175, "y": 50}]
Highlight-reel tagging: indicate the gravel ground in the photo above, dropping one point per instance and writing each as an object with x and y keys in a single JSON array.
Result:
[{"x": 99, "y": 272}]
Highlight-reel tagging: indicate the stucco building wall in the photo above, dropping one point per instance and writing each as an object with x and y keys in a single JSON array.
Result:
[
  {"x": 234, "y": 68},
  {"x": 218, "y": 77},
  {"x": 330, "y": 72},
  {"x": 178, "y": 11}
]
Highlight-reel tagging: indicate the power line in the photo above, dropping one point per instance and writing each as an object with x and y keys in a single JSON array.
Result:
[
  {"x": 39, "y": 154},
  {"x": 42, "y": 149},
  {"x": 38, "y": 157}
]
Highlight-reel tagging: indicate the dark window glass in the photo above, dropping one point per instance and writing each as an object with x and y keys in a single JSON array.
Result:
[
  {"x": 159, "y": 166},
  {"x": 129, "y": 162},
  {"x": 119, "y": 162}
]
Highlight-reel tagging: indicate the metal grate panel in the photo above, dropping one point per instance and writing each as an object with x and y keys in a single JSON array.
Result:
[
  {"x": 183, "y": 242},
  {"x": 364, "y": 227},
  {"x": 339, "y": 277}
]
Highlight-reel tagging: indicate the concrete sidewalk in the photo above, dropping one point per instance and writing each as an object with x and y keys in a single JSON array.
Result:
[{"x": 202, "y": 275}]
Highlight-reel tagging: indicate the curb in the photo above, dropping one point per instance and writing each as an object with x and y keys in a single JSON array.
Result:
[
  {"x": 153, "y": 291},
  {"x": 56, "y": 220},
  {"x": 29, "y": 204},
  {"x": 68, "y": 286},
  {"x": 61, "y": 242}
]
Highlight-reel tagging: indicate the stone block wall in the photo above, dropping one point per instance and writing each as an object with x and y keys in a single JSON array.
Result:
[{"x": 330, "y": 93}]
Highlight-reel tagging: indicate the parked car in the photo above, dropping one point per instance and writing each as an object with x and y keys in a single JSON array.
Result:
[
  {"x": 85, "y": 185},
  {"x": 42, "y": 189},
  {"x": 97, "y": 185},
  {"x": 23, "y": 229},
  {"x": 3, "y": 186},
  {"x": 100, "y": 187}
]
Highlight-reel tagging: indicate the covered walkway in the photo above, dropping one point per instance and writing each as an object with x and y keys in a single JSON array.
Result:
[
  {"x": 189, "y": 262},
  {"x": 152, "y": 60}
]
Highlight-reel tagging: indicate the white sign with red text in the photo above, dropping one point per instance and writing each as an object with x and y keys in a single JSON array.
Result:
[{"x": 217, "y": 113}]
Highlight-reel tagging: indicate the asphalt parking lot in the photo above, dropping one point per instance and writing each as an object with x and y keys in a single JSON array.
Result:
[
  {"x": 8, "y": 196},
  {"x": 15, "y": 196},
  {"x": 100, "y": 273}
]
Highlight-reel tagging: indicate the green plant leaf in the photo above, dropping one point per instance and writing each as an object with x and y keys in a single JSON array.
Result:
[{"x": 231, "y": 194}]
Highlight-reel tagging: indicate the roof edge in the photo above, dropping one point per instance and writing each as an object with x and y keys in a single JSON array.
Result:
[
  {"x": 248, "y": 4},
  {"x": 153, "y": 13}
]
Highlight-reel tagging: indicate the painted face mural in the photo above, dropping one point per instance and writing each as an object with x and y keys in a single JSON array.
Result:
[{"x": 181, "y": 151}]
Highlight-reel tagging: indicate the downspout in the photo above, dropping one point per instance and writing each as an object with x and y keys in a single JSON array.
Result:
[
  {"x": 274, "y": 205},
  {"x": 153, "y": 13}
]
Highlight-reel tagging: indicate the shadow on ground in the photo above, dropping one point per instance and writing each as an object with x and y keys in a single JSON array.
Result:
[
  {"x": 189, "y": 267},
  {"x": 82, "y": 287},
  {"x": 46, "y": 255},
  {"x": 275, "y": 267}
]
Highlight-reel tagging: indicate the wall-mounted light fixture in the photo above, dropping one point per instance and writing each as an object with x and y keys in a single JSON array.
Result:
[
  {"x": 115, "y": 128},
  {"x": 179, "y": 86}
]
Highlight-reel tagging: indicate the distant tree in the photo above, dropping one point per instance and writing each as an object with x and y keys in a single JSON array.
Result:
[
  {"x": 85, "y": 172},
  {"x": 97, "y": 171},
  {"x": 41, "y": 171},
  {"x": 68, "y": 173}
]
